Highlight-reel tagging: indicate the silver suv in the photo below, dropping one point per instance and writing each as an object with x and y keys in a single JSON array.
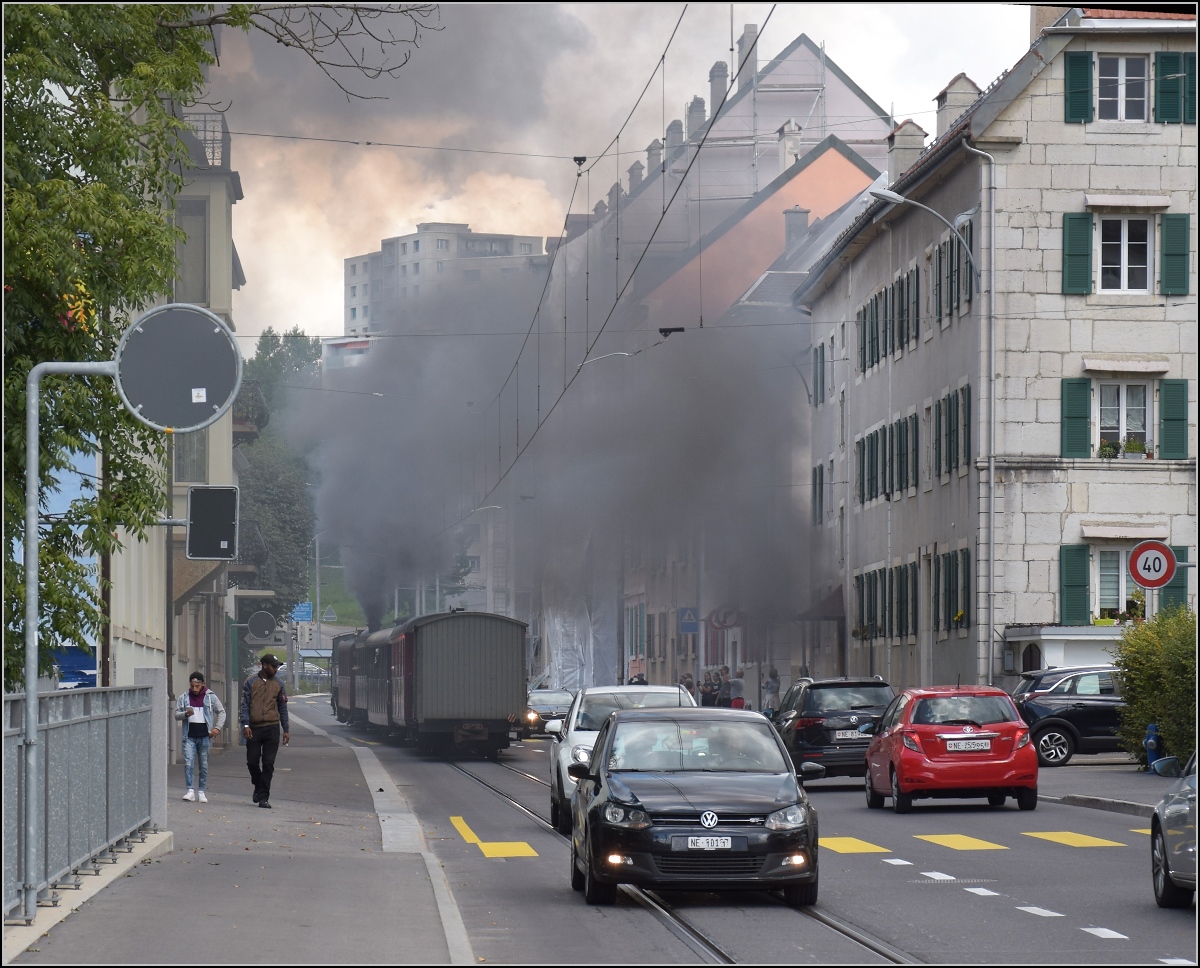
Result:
[
  {"x": 574, "y": 736},
  {"x": 1173, "y": 836}
]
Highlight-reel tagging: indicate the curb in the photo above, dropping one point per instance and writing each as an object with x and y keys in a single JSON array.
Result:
[
  {"x": 1102, "y": 803},
  {"x": 19, "y": 937}
]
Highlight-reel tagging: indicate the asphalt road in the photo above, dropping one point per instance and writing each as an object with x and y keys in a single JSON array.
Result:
[{"x": 954, "y": 882}]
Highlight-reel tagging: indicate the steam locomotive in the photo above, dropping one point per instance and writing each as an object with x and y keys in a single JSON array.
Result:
[{"x": 449, "y": 680}]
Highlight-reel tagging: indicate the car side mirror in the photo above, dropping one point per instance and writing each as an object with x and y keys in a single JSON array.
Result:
[
  {"x": 554, "y": 727},
  {"x": 811, "y": 771},
  {"x": 581, "y": 771},
  {"x": 867, "y": 729},
  {"x": 1167, "y": 766}
]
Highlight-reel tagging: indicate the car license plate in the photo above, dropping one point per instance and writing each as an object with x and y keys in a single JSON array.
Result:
[
  {"x": 710, "y": 843},
  {"x": 968, "y": 745},
  {"x": 848, "y": 734}
]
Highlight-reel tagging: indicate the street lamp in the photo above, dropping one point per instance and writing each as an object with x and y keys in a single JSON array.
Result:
[{"x": 895, "y": 199}]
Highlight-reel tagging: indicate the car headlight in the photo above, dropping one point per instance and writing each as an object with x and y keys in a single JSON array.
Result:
[
  {"x": 630, "y": 817},
  {"x": 789, "y": 818},
  {"x": 581, "y": 754},
  {"x": 531, "y": 716}
]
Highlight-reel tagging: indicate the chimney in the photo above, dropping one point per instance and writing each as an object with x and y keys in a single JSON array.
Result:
[
  {"x": 953, "y": 100},
  {"x": 789, "y": 143},
  {"x": 795, "y": 224},
  {"x": 695, "y": 117},
  {"x": 718, "y": 84},
  {"x": 1042, "y": 17},
  {"x": 600, "y": 209},
  {"x": 614, "y": 196},
  {"x": 654, "y": 155},
  {"x": 746, "y": 57},
  {"x": 674, "y": 139},
  {"x": 905, "y": 144},
  {"x": 635, "y": 175}
]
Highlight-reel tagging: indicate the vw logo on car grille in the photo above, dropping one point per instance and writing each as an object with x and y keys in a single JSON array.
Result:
[
  {"x": 853, "y": 720},
  {"x": 968, "y": 729},
  {"x": 708, "y": 819}
]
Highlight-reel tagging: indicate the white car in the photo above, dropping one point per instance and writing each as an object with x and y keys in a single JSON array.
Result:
[{"x": 574, "y": 736}]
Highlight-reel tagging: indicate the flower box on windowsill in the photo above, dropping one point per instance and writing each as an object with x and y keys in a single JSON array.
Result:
[
  {"x": 1133, "y": 455},
  {"x": 1104, "y": 621}
]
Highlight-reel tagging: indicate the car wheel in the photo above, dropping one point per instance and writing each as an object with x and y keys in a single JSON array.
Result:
[
  {"x": 874, "y": 800},
  {"x": 901, "y": 802},
  {"x": 576, "y": 876},
  {"x": 554, "y": 809},
  {"x": 1055, "y": 747},
  {"x": 1167, "y": 894},
  {"x": 1027, "y": 799},
  {"x": 800, "y": 895},
  {"x": 596, "y": 893},
  {"x": 996, "y": 799},
  {"x": 563, "y": 823}
]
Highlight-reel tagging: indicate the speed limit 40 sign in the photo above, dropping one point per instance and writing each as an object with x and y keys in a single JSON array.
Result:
[{"x": 1152, "y": 564}]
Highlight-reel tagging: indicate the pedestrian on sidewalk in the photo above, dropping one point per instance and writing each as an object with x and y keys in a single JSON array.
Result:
[
  {"x": 771, "y": 691},
  {"x": 263, "y": 714},
  {"x": 737, "y": 691},
  {"x": 203, "y": 716},
  {"x": 723, "y": 688}
]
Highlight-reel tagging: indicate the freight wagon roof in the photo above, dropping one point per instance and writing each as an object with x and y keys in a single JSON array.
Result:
[{"x": 421, "y": 620}]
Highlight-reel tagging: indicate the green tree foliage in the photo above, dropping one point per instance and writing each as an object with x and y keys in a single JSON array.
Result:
[{"x": 1157, "y": 663}]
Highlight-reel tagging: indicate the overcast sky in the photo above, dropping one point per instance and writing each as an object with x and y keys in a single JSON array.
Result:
[{"x": 541, "y": 79}]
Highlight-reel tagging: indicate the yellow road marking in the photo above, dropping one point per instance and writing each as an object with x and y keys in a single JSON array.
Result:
[
  {"x": 1140, "y": 830},
  {"x": 959, "y": 842},
  {"x": 851, "y": 845},
  {"x": 1069, "y": 839},
  {"x": 495, "y": 848}
]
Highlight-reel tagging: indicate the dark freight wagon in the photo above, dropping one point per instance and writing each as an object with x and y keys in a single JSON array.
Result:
[{"x": 451, "y": 679}]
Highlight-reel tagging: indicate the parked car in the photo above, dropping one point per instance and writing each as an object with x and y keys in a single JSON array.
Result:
[
  {"x": 545, "y": 705},
  {"x": 1071, "y": 710},
  {"x": 1173, "y": 836},
  {"x": 819, "y": 720},
  {"x": 692, "y": 799},
  {"x": 575, "y": 734},
  {"x": 951, "y": 741}
]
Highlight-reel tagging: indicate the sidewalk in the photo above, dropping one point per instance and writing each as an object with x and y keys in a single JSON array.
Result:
[
  {"x": 1105, "y": 781},
  {"x": 306, "y": 882}
]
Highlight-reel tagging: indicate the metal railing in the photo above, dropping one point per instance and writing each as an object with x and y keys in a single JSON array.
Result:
[{"x": 94, "y": 747}]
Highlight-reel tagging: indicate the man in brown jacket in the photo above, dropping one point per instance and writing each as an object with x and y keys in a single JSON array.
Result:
[{"x": 263, "y": 714}]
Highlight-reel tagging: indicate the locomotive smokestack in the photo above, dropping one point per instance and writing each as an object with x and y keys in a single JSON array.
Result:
[{"x": 374, "y": 613}]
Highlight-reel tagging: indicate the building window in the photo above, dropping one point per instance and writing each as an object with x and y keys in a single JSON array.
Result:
[
  {"x": 1125, "y": 254},
  {"x": 191, "y": 457},
  {"x": 353, "y": 292},
  {"x": 366, "y": 311},
  {"x": 440, "y": 267},
  {"x": 842, "y": 419},
  {"x": 354, "y": 268},
  {"x": 526, "y": 248},
  {"x": 366, "y": 288},
  {"x": 366, "y": 268},
  {"x": 443, "y": 245},
  {"x": 472, "y": 563},
  {"x": 416, "y": 268},
  {"x": 1122, "y": 89},
  {"x": 403, "y": 271},
  {"x": 353, "y": 313},
  {"x": 416, "y": 245},
  {"x": 1123, "y": 413},
  {"x": 404, "y": 248},
  {"x": 1116, "y": 585}
]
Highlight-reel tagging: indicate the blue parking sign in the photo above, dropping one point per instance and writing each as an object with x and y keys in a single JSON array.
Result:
[{"x": 689, "y": 621}]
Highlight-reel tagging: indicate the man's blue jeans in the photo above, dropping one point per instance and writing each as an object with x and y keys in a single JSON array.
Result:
[{"x": 191, "y": 748}]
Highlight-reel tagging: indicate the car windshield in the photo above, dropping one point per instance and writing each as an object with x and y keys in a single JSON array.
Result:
[
  {"x": 965, "y": 710},
  {"x": 550, "y": 697},
  {"x": 831, "y": 699},
  {"x": 670, "y": 747},
  {"x": 596, "y": 706}
]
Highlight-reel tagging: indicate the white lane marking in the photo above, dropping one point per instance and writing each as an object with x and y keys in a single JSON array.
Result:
[
  {"x": 936, "y": 875},
  {"x": 897, "y": 861},
  {"x": 981, "y": 891},
  {"x": 1040, "y": 912},
  {"x": 1105, "y": 933}
]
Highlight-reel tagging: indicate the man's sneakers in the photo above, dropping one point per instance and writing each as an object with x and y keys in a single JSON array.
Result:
[
  {"x": 201, "y": 797},
  {"x": 190, "y": 795},
  {"x": 265, "y": 804},
  {"x": 256, "y": 797}
]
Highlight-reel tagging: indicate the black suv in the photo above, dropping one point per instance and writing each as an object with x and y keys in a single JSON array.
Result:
[
  {"x": 819, "y": 720},
  {"x": 1070, "y": 710}
]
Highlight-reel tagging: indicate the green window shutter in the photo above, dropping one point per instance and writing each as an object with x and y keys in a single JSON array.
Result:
[
  {"x": 937, "y": 438},
  {"x": 815, "y": 493},
  {"x": 937, "y": 581},
  {"x": 1173, "y": 272},
  {"x": 966, "y": 424},
  {"x": 1189, "y": 87},
  {"x": 1172, "y": 410},
  {"x": 862, "y": 342},
  {"x": 891, "y": 459},
  {"x": 1168, "y": 87},
  {"x": 951, "y": 430},
  {"x": 902, "y": 454},
  {"x": 916, "y": 304},
  {"x": 947, "y": 587},
  {"x": 1074, "y": 567},
  {"x": 1174, "y": 593},
  {"x": 935, "y": 278},
  {"x": 862, "y": 480},
  {"x": 913, "y": 625},
  {"x": 1078, "y": 93},
  {"x": 1077, "y": 253},
  {"x": 916, "y": 451},
  {"x": 858, "y": 603},
  {"x": 902, "y": 308},
  {"x": 887, "y": 605},
  {"x": 1077, "y": 417},
  {"x": 969, "y": 272},
  {"x": 965, "y": 554}
]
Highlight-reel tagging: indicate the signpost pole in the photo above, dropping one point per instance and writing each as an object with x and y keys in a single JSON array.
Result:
[{"x": 320, "y": 641}]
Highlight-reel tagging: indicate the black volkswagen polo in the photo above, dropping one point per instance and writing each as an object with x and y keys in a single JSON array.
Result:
[{"x": 692, "y": 798}]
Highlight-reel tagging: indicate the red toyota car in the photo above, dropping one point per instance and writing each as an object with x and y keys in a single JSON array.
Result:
[{"x": 951, "y": 742}]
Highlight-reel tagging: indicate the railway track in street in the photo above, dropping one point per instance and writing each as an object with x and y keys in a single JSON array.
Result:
[{"x": 705, "y": 947}]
